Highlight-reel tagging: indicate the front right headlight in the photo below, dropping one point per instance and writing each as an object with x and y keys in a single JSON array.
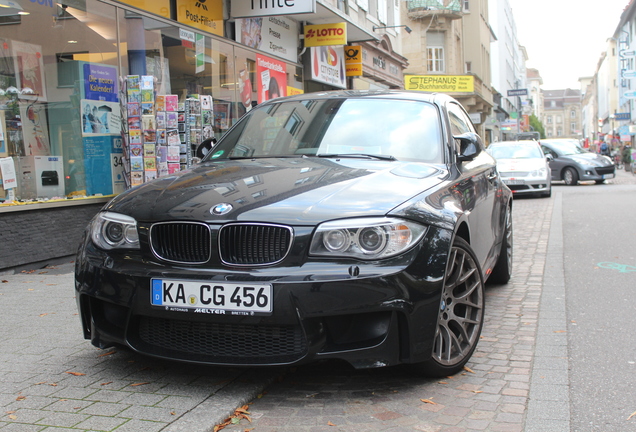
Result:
[{"x": 114, "y": 231}]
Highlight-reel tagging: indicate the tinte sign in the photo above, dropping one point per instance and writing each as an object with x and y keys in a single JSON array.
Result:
[
  {"x": 326, "y": 34},
  {"x": 206, "y": 15},
  {"x": 257, "y": 8}
]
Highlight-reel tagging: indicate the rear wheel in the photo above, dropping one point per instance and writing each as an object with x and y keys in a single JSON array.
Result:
[
  {"x": 570, "y": 177},
  {"x": 502, "y": 272},
  {"x": 461, "y": 314}
]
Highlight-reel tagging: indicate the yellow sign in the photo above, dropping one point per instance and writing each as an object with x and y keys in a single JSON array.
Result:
[
  {"x": 157, "y": 7},
  {"x": 325, "y": 34},
  {"x": 294, "y": 91},
  {"x": 353, "y": 60},
  {"x": 440, "y": 83},
  {"x": 206, "y": 16}
]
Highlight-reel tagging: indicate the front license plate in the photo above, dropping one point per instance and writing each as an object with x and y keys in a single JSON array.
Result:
[
  {"x": 211, "y": 297},
  {"x": 513, "y": 182},
  {"x": 608, "y": 176}
]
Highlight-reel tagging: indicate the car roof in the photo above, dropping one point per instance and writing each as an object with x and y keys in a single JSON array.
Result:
[{"x": 438, "y": 98}]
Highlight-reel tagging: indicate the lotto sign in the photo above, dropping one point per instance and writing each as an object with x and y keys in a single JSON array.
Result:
[{"x": 326, "y": 34}]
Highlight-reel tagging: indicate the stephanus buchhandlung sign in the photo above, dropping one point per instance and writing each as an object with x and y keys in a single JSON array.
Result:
[{"x": 440, "y": 83}]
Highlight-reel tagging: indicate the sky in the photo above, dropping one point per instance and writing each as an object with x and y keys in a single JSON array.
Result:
[{"x": 564, "y": 39}]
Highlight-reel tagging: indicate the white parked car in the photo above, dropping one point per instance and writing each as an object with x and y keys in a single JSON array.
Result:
[{"x": 523, "y": 167}]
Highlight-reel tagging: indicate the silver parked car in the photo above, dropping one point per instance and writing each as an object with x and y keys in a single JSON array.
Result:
[
  {"x": 523, "y": 167},
  {"x": 572, "y": 163}
]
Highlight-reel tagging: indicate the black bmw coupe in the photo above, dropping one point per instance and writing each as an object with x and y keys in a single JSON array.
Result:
[{"x": 360, "y": 226}]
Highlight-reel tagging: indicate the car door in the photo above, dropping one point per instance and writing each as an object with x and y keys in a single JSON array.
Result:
[
  {"x": 479, "y": 185},
  {"x": 555, "y": 164}
]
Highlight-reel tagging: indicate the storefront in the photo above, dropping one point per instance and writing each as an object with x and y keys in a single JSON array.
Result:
[{"x": 97, "y": 96}]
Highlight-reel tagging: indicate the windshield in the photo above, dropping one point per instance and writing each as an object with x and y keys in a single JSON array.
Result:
[
  {"x": 404, "y": 130},
  {"x": 564, "y": 148},
  {"x": 515, "y": 151}
]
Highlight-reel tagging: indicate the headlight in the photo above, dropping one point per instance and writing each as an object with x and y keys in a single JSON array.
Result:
[
  {"x": 114, "y": 231},
  {"x": 365, "y": 238},
  {"x": 539, "y": 173}
]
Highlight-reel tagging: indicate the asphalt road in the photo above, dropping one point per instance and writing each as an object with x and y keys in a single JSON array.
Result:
[{"x": 600, "y": 268}]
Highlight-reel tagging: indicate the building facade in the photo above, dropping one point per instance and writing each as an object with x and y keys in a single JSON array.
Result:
[{"x": 562, "y": 113}]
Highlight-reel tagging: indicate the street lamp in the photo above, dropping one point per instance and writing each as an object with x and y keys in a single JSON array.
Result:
[{"x": 407, "y": 28}]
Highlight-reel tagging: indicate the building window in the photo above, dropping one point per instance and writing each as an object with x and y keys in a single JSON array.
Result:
[
  {"x": 558, "y": 119},
  {"x": 549, "y": 121},
  {"x": 559, "y": 131},
  {"x": 572, "y": 114},
  {"x": 466, "y": 6},
  {"x": 469, "y": 67},
  {"x": 435, "y": 51},
  {"x": 573, "y": 127}
]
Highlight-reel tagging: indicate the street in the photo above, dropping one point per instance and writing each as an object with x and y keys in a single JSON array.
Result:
[{"x": 555, "y": 353}]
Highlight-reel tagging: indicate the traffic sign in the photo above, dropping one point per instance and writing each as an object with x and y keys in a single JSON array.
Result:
[
  {"x": 630, "y": 95},
  {"x": 628, "y": 73},
  {"x": 623, "y": 116},
  {"x": 518, "y": 92},
  {"x": 624, "y": 53}
]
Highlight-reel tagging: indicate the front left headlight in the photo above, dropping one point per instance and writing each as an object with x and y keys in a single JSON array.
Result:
[
  {"x": 114, "y": 231},
  {"x": 541, "y": 173},
  {"x": 365, "y": 238}
]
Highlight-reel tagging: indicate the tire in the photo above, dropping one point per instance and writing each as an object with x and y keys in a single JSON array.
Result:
[
  {"x": 570, "y": 177},
  {"x": 502, "y": 272},
  {"x": 461, "y": 315}
]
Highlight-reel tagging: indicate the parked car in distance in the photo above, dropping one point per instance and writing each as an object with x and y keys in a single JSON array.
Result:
[
  {"x": 348, "y": 225},
  {"x": 572, "y": 163},
  {"x": 523, "y": 167}
]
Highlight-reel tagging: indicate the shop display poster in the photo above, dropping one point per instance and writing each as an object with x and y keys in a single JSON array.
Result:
[
  {"x": 328, "y": 65},
  {"x": 100, "y": 117},
  {"x": 7, "y": 169},
  {"x": 30, "y": 66},
  {"x": 273, "y": 35},
  {"x": 103, "y": 164},
  {"x": 100, "y": 82},
  {"x": 271, "y": 78}
]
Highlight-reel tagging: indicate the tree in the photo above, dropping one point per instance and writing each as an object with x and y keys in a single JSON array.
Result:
[{"x": 536, "y": 125}]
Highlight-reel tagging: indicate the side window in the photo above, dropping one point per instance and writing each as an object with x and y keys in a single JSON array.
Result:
[
  {"x": 459, "y": 122},
  {"x": 548, "y": 151}
]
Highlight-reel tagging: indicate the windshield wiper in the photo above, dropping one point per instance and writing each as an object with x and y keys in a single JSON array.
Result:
[{"x": 356, "y": 155}]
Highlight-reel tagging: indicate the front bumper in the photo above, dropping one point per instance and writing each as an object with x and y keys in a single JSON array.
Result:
[
  {"x": 597, "y": 173},
  {"x": 523, "y": 186},
  {"x": 369, "y": 314}
]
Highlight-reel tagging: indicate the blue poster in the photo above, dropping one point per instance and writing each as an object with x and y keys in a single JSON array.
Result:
[
  {"x": 101, "y": 154},
  {"x": 100, "y": 82}
]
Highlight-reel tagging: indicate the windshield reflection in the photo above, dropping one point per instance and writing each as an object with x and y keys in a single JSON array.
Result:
[{"x": 405, "y": 130}]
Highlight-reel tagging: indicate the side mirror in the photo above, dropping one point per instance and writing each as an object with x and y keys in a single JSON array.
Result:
[
  {"x": 470, "y": 146},
  {"x": 549, "y": 157},
  {"x": 205, "y": 147}
]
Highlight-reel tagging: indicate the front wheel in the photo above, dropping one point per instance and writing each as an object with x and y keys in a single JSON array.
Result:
[
  {"x": 570, "y": 177},
  {"x": 461, "y": 314}
]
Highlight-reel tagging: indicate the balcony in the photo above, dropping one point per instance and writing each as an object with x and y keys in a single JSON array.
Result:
[{"x": 418, "y": 9}]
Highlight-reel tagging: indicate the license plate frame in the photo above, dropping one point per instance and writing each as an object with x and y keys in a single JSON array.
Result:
[
  {"x": 212, "y": 297},
  {"x": 514, "y": 182}
]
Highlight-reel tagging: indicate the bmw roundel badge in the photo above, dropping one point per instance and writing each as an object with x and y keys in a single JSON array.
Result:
[{"x": 221, "y": 209}]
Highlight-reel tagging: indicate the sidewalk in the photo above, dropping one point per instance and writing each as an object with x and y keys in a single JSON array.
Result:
[{"x": 54, "y": 380}]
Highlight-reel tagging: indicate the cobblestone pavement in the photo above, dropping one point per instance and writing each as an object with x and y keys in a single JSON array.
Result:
[{"x": 52, "y": 380}]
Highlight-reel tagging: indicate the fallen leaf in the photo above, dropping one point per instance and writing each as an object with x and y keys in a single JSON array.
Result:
[
  {"x": 173, "y": 413},
  {"x": 330, "y": 424},
  {"x": 139, "y": 384},
  {"x": 13, "y": 417},
  {"x": 43, "y": 314},
  {"x": 559, "y": 331},
  {"x": 107, "y": 354},
  {"x": 106, "y": 383},
  {"x": 5, "y": 281},
  {"x": 477, "y": 391},
  {"x": 76, "y": 373},
  {"x": 467, "y": 369},
  {"x": 428, "y": 401},
  {"x": 20, "y": 398},
  {"x": 631, "y": 415},
  {"x": 10, "y": 412},
  {"x": 442, "y": 382}
]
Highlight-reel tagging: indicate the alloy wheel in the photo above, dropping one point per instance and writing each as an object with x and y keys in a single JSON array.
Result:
[{"x": 461, "y": 309}]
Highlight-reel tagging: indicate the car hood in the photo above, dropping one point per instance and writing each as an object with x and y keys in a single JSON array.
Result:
[
  {"x": 520, "y": 165},
  {"x": 589, "y": 159},
  {"x": 303, "y": 191}
]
